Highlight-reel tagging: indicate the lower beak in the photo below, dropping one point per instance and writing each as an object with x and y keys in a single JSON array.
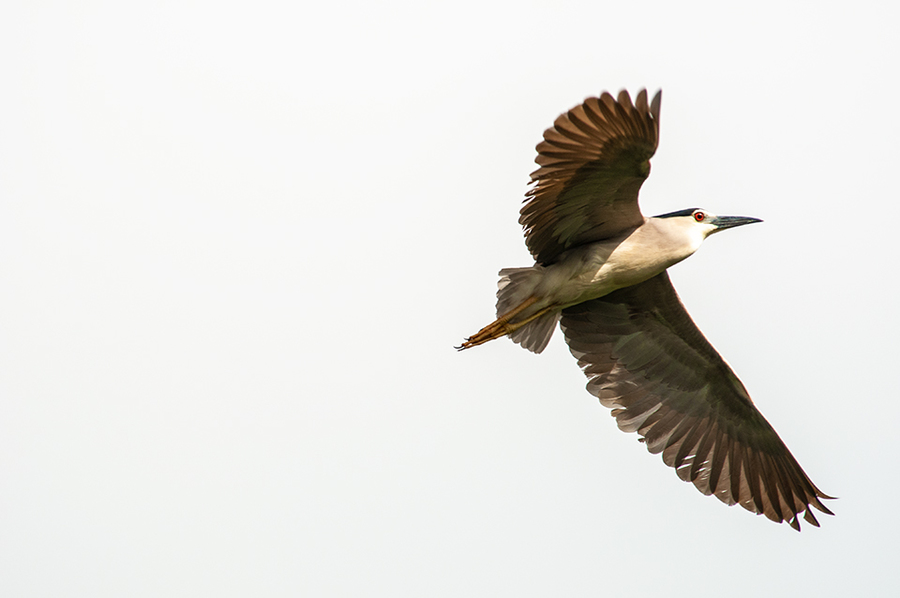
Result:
[{"x": 723, "y": 222}]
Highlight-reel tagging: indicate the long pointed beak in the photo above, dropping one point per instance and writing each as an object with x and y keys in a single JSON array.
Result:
[{"x": 723, "y": 222}]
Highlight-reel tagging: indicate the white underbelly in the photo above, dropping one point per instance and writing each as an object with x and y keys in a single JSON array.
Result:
[{"x": 597, "y": 270}]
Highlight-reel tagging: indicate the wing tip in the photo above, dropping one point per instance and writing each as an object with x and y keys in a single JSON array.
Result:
[{"x": 656, "y": 104}]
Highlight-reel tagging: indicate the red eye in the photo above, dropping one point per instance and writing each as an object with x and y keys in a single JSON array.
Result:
[{"x": 699, "y": 216}]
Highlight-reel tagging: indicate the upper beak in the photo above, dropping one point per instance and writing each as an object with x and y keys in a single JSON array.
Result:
[{"x": 723, "y": 222}]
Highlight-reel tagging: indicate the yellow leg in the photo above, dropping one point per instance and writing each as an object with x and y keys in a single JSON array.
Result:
[{"x": 502, "y": 325}]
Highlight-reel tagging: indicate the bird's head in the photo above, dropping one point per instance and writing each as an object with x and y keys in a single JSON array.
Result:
[{"x": 700, "y": 223}]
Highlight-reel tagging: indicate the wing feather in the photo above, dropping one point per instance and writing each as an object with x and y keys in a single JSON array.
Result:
[
  {"x": 593, "y": 161},
  {"x": 646, "y": 359}
]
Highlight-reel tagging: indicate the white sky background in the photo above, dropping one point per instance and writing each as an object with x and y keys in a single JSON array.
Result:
[{"x": 238, "y": 242}]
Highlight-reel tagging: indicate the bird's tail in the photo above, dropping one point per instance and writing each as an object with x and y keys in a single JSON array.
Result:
[{"x": 518, "y": 314}]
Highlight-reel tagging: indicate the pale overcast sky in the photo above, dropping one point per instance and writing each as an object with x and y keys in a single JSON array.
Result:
[{"x": 238, "y": 242}]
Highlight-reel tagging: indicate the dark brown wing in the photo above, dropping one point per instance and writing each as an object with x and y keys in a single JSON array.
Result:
[
  {"x": 593, "y": 161},
  {"x": 647, "y": 360}
]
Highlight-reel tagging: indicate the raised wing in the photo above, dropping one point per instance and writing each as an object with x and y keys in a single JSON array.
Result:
[
  {"x": 647, "y": 360},
  {"x": 593, "y": 161}
]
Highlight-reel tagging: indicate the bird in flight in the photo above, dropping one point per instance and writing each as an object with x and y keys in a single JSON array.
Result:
[{"x": 600, "y": 271}]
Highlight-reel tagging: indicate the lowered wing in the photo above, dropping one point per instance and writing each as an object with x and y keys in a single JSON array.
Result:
[{"x": 647, "y": 360}]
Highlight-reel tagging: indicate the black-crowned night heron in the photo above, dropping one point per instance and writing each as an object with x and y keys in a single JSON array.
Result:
[{"x": 601, "y": 272}]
